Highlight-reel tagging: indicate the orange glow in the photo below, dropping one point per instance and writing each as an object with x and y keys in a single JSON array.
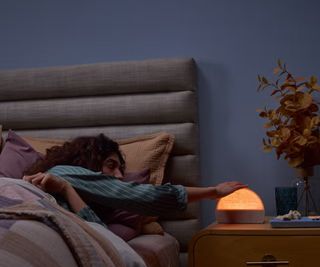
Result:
[{"x": 242, "y": 199}]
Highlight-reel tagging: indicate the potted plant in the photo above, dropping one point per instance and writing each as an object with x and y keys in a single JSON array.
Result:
[{"x": 293, "y": 126}]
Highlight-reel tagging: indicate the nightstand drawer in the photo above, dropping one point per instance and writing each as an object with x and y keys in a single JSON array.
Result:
[{"x": 246, "y": 250}]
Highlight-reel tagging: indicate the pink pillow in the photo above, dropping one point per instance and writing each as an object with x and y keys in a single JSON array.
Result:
[
  {"x": 125, "y": 232},
  {"x": 16, "y": 157}
]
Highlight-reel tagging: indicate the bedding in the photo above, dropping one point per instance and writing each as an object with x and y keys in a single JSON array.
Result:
[
  {"x": 123, "y": 100},
  {"x": 23, "y": 202}
]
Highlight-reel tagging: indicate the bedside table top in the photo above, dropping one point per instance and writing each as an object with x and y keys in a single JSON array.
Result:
[{"x": 255, "y": 229}]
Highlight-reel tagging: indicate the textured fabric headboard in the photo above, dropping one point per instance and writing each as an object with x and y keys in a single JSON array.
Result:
[{"x": 120, "y": 99}]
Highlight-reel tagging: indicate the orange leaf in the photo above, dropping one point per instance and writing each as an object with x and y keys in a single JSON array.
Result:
[
  {"x": 313, "y": 80},
  {"x": 300, "y": 79},
  {"x": 275, "y": 142},
  {"x": 315, "y": 121},
  {"x": 316, "y": 87},
  {"x": 295, "y": 162},
  {"x": 267, "y": 125},
  {"x": 267, "y": 148},
  {"x": 276, "y": 70},
  {"x": 263, "y": 114}
]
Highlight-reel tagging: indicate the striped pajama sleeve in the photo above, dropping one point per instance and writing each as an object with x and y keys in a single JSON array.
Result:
[
  {"x": 145, "y": 199},
  {"x": 89, "y": 215}
]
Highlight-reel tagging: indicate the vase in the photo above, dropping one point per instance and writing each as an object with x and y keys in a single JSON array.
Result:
[{"x": 306, "y": 204}]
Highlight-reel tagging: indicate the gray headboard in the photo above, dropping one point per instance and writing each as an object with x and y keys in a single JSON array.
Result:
[{"x": 120, "y": 99}]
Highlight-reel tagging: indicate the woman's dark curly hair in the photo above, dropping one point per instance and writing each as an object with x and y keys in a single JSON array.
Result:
[{"x": 86, "y": 151}]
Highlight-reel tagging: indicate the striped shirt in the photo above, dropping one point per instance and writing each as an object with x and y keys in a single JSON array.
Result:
[{"x": 98, "y": 189}]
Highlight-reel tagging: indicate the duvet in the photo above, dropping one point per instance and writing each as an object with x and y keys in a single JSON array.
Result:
[{"x": 36, "y": 231}]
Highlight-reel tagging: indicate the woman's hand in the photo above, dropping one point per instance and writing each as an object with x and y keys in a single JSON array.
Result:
[
  {"x": 213, "y": 192},
  {"x": 227, "y": 188},
  {"x": 54, "y": 184},
  {"x": 47, "y": 182}
]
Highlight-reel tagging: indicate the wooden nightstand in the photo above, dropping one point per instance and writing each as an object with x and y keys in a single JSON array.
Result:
[{"x": 236, "y": 245}]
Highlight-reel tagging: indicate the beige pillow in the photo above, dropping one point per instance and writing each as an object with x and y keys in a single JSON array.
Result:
[
  {"x": 149, "y": 151},
  {"x": 42, "y": 144},
  {"x": 152, "y": 228}
]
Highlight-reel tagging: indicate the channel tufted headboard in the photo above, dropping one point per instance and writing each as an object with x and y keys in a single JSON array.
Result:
[{"x": 120, "y": 99}]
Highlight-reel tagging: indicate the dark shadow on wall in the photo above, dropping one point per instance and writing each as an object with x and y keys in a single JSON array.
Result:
[{"x": 213, "y": 116}]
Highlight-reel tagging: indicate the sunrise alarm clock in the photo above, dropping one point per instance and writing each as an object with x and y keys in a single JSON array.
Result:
[{"x": 242, "y": 206}]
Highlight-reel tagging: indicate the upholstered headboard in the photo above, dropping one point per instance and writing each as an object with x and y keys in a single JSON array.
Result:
[{"x": 120, "y": 99}]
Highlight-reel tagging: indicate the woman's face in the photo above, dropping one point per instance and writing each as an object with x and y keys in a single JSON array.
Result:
[{"x": 112, "y": 166}]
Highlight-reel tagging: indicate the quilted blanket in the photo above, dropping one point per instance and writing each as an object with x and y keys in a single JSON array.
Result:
[{"x": 35, "y": 231}]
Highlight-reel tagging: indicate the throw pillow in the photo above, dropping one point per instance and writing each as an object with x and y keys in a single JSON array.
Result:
[
  {"x": 148, "y": 152},
  {"x": 16, "y": 156},
  {"x": 125, "y": 232},
  {"x": 42, "y": 144}
]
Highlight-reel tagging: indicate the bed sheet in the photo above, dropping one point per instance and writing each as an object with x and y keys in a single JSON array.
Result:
[{"x": 35, "y": 231}]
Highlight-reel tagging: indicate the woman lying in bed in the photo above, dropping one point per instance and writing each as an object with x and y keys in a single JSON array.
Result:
[{"x": 87, "y": 172}]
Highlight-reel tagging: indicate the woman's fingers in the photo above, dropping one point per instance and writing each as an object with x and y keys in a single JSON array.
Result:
[
  {"x": 41, "y": 180},
  {"x": 52, "y": 183},
  {"x": 37, "y": 180},
  {"x": 227, "y": 188},
  {"x": 240, "y": 185},
  {"x": 48, "y": 181},
  {"x": 237, "y": 185},
  {"x": 29, "y": 178}
]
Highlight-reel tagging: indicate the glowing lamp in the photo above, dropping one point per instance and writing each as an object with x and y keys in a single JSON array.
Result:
[{"x": 242, "y": 206}]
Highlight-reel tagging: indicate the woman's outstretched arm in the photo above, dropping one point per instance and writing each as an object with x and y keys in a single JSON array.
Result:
[
  {"x": 213, "y": 192},
  {"x": 144, "y": 199}
]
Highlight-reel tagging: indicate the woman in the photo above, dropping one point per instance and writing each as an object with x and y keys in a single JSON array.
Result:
[{"x": 87, "y": 172}]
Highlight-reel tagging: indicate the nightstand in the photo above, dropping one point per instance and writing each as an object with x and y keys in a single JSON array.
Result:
[{"x": 236, "y": 245}]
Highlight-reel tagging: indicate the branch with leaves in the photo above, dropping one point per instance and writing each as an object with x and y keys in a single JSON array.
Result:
[{"x": 292, "y": 129}]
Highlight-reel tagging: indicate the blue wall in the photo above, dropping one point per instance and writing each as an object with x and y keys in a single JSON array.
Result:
[{"x": 232, "y": 41}]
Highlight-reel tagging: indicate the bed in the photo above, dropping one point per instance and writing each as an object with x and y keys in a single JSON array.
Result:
[{"x": 141, "y": 104}]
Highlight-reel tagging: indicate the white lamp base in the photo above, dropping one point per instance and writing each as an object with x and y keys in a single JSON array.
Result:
[{"x": 240, "y": 216}]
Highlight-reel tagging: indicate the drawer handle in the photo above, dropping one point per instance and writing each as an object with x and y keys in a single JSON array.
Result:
[
  {"x": 267, "y": 263},
  {"x": 268, "y": 260}
]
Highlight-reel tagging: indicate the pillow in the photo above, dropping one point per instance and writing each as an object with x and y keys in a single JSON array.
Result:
[
  {"x": 124, "y": 232},
  {"x": 42, "y": 144},
  {"x": 149, "y": 151},
  {"x": 16, "y": 156}
]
